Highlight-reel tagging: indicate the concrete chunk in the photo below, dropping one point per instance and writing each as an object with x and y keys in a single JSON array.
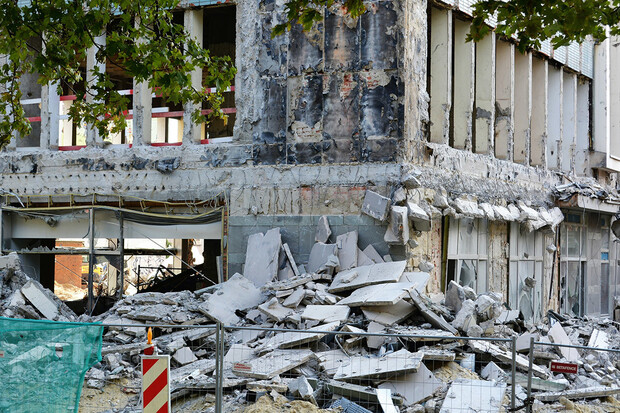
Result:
[
  {"x": 326, "y": 313},
  {"x": 347, "y": 250},
  {"x": 599, "y": 339},
  {"x": 558, "y": 336},
  {"x": 293, "y": 300},
  {"x": 262, "y": 257},
  {"x": 492, "y": 372},
  {"x": 35, "y": 294},
  {"x": 397, "y": 232},
  {"x": 291, "y": 260},
  {"x": 375, "y": 205},
  {"x": 378, "y": 295},
  {"x": 272, "y": 364},
  {"x": 319, "y": 256},
  {"x": 454, "y": 296},
  {"x": 418, "y": 217},
  {"x": 372, "y": 253},
  {"x": 367, "y": 275},
  {"x": 468, "y": 208},
  {"x": 238, "y": 293},
  {"x": 486, "y": 347},
  {"x": 487, "y": 397},
  {"x": 358, "y": 367},
  {"x": 584, "y": 393},
  {"x": 184, "y": 356},
  {"x": 436, "y": 320},
  {"x": 415, "y": 387},
  {"x": 362, "y": 259},
  {"x": 291, "y": 339},
  {"x": 274, "y": 310},
  {"x": 389, "y": 314}
]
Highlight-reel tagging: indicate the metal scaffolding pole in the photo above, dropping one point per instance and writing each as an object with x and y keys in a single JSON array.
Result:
[
  {"x": 121, "y": 264},
  {"x": 91, "y": 259}
]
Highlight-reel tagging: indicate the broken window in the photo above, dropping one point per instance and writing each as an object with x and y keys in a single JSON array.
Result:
[
  {"x": 468, "y": 253},
  {"x": 526, "y": 271}
]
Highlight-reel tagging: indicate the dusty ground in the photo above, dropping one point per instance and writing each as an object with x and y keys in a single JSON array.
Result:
[
  {"x": 112, "y": 396},
  {"x": 68, "y": 292}
]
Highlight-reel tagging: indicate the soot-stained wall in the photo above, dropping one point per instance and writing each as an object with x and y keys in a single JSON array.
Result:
[{"x": 328, "y": 95}]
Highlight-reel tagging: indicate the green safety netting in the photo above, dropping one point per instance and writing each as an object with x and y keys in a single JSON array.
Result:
[{"x": 43, "y": 363}]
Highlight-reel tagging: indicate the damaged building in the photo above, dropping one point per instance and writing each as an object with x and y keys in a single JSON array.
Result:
[{"x": 472, "y": 162}]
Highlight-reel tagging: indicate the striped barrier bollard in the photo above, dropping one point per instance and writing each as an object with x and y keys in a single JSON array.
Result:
[{"x": 156, "y": 384}]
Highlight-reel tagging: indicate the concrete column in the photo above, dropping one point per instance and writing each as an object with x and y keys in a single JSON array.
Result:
[
  {"x": 441, "y": 74},
  {"x": 613, "y": 105},
  {"x": 554, "y": 115},
  {"x": 523, "y": 107},
  {"x": 582, "y": 136},
  {"x": 464, "y": 81},
  {"x": 504, "y": 99},
  {"x": 538, "y": 141},
  {"x": 194, "y": 26},
  {"x": 485, "y": 94},
  {"x": 50, "y": 116},
  {"x": 569, "y": 121},
  {"x": 600, "y": 96},
  {"x": 92, "y": 134}
]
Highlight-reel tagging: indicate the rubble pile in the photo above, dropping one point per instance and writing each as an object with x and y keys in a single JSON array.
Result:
[{"x": 416, "y": 359}]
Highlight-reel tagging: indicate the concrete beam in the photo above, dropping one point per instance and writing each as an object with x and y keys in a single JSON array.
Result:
[
  {"x": 523, "y": 107},
  {"x": 569, "y": 121},
  {"x": 485, "y": 94},
  {"x": 554, "y": 115},
  {"x": 464, "y": 90},
  {"x": 440, "y": 74},
  {"x": 193, "y": 21},
  {"x": 92, "y": 135},
  {"x": 538, "y": 141},
  {"x": 504, "y": 99}
]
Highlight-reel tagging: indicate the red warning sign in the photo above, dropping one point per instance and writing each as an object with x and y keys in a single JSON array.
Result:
[
  {"x": 558, "y": 367},
  {"x": 242, "y": 367},
  {"x": 155, "y": 384}
]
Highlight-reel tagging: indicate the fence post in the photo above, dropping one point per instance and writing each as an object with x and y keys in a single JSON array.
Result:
[
  {"x": 529, "y": 376},
  {"x": 219, "y": 366},
  {"x": 513, "y": 375}
]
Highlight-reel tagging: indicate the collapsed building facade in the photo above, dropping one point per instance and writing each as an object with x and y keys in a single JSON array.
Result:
[{"x": 507, "y": 163}]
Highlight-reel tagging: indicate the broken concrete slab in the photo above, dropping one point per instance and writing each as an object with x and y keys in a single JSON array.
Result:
[
  {"x": 362, "y": 259},
  {"x": 419, "y": 218},
  {"x": 300, "y": 387},
  {"x": 418, "y": 278},
  {"x": 291, "y": 260},
  {"x": 492, "y": 372},
  {"x": 435, "y": 319},
  {"x": 599, "y": 339},
  {"x": 415, "y": 387},
  {"x": 323, "y": 231},
  {"x": 507, "y": 316},
  {"x": 468, "y": 208},
  {"x": 385, "y": 401},
  {"x": 352, "y": 279},
  {"x": 401, "y": 361},
  {"x": 262, "y": 257},
  {"x": 184, "y": 356},
  {"x": 326, "y": 313},
  {"x": 329, "y": 361},
  {"x": 504, "y": 214},
  {"x": 504, "y": 356},
  {"x": 357, "y": 392},
  {"x": 584, "y": 393},
  {"x": 293, "y": 300},
  {"x": 238, "y": 293},
  {"x": 347, "y": 250},
  {"x": 375, "y": 205},
  {"x": 389, "y": 314},
  {"x": 454, "y": 296},
  {"x": 466, "y": 317},
  {"x": 36, "y": 295},
  {"x": 372, "y": 253},
  {"x": 559, "y": 336},
  {"x": 274, "y": 310},
  {"x": 412, "y": 333},
  {"x": 486, "y": 398},
  {"x": 375, "y": 342},
  {"x": 291, "y": 339},
  {"x": 437, "y": 354},
  {"x": 272, "y": 364},
  {"x": 397, "y": 232},
  {"x": 523, "y": 341},
  {"x": 378, "y": 295},
  {"x": 320, "y": 255}
]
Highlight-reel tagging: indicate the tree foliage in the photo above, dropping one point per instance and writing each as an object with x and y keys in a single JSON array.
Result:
[
  {"x": 141, "y": 39},
  {"x": 531, "y": 21}
]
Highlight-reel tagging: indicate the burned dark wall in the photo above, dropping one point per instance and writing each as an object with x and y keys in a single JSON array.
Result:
[{"x": 332, "y": 94}]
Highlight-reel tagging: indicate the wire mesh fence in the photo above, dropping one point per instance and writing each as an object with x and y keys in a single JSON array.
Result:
[{"x": 234, "y": 369}]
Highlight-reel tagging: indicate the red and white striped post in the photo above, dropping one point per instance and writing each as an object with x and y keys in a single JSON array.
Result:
[{"x": 156, "y": 384}]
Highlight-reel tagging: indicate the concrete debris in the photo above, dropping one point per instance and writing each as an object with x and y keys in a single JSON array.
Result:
[
  {"x": 585, "y": 393},
  {"x": 238, "y": 293},
  {"x": 401, "y": 361},
  {"x": 415, "y": 387},
  {"x": 347, "y": 250},
  {"x": 559, "y": 336},
  {"x": 320, "y": 257},
  {"x": 378, "y": 295},
  {"x": 419, "y": 218},
  {"x": 272, "y": 364},
  {"x": 375, "y": 205},
  {"x": 397, "y": 232},
  {"x": 262, "y": 257},
  {"x": 352, "y": 279},
  {"x": 487, "y": 397}
]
